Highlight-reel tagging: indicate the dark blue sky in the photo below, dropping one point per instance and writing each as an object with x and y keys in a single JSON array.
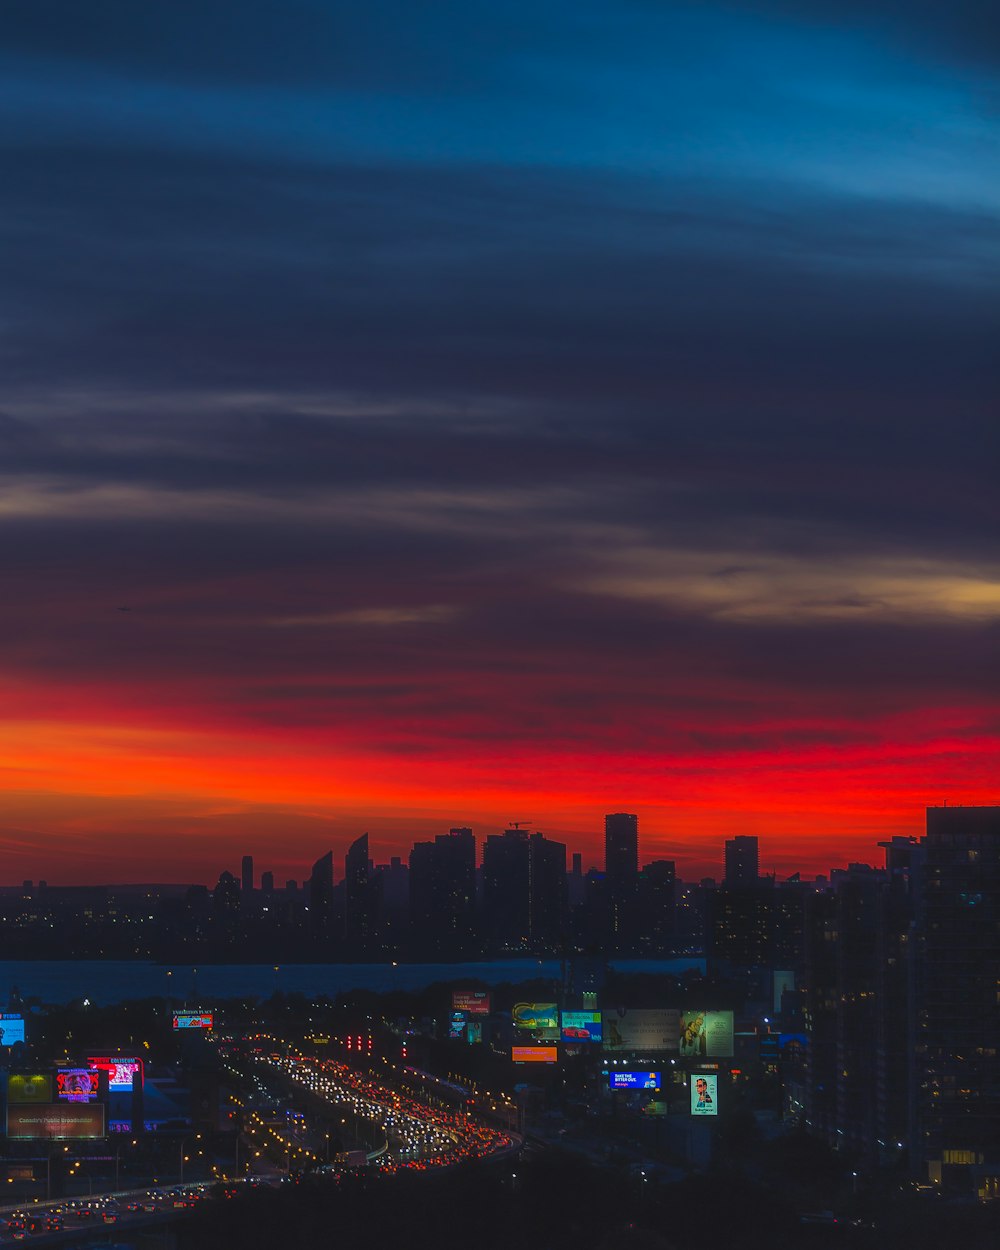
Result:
[{"x": 591, "y": 402}]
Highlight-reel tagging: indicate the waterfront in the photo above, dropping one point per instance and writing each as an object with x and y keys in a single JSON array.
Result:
[{"x": 105, "y": 982}]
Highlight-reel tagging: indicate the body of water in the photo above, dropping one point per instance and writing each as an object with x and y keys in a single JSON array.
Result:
[{"x": 113, "y": 981}]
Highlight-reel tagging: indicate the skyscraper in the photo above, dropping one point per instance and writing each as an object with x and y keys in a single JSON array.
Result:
[
  {"x": 621, "y": 879},
  {"x": 956, "y": 1007},
  {"x": 246, "y": 874},
  {"x": 443, "y": 894},
  {"x": 359, "y": 897},
  {"x": 742, "y": 861}
]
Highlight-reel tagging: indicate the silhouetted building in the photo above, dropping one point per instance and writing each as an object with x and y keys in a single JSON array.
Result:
[
  {"x": 246, "y": 874},
  {"x": 320, "y": 895},
  {"x": 443, "y": 895},
  {"x": 956, "y": 1007},
  {"x": 267, "y": 882},
  {"x": 742, "y": 861},
  {"x": 658, "y": 906},
  {"x": 359, "y": 897},
  {"x": 621, "y": 879}
]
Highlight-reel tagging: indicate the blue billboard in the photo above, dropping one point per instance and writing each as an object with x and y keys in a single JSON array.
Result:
[{"x": 634, "y": 1080}]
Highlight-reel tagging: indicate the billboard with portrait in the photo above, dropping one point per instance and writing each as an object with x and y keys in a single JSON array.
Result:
[
  {"x": 704, "y": 1093},
  {"x": 706, "y": 1035},
  {"x": 541, "y": 1020},
  {"x": 643, "y": 1029},
  {"x": 456, "y": 1025},
  {"x": 120, "y": 1069},
  {"x": 634, "y": 1080},
  {"x": 29, "y": 1087},
  {"x": 11, "y": 1028},
  {"x": 474, "y": 1002},
  {"x": 55, "y": 1121},
  {"x": 192, "y": 1019},
  {"x": 581, "y": 1026},
  {"x": 77, "y": 1084},
  {"x": 534, "y": 1054}
]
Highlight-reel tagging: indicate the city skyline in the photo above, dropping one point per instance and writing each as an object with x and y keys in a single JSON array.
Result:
[{"x": 419, "y": 415}]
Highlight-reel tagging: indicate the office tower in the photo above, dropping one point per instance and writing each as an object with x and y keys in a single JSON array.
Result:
[
  {"x": 956, "y": 1005},
  {"x": 246, "y": 874},
  {"x": 657, "y": 906},
  {"x": 392, "y": 894},
  {"x": 359, "y": 897},
  {"x": 621, "y": 879},
  {"x": 320, "y": 895},
  {"x": 741, "y": 861},
  {"x": 505, "y": 878},
  {"x": 546, "y": 893},
  {"x": 443, "y": 895},
  {"x": 267, "y": 882}
]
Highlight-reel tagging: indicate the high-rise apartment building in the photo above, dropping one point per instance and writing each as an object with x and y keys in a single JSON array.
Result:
[
  {"x": 742, "y": 861},
  {"x": 246, "y": 874},
  {"x": 621, "y": 880}
]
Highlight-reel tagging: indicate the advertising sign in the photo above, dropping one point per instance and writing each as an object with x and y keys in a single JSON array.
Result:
[
  {"x": 77, "y": 1084},
  {"x": 581, "y": 1026},
  {"x": 651, "y": 1029},
  {"x": 534, "y": 1054},
  {"x": 475, "y": 1002},
  {"x": 704, "y": 1093},
  {"x": 456, "y": 1026},
  {"x": 11, "y": 1029},
  {"x": 192, "y": 1019},
  {"x": 706, "y": 1034},
  {"x": 634, "y": 1080},
  {"x": 120, "y": 1070},
  {"x": 541, "y": 1020},
  {"x": 29, "y": 1087},
  {"x": 474, "y": 1032},
  {"x": 57, "y": 1120}
]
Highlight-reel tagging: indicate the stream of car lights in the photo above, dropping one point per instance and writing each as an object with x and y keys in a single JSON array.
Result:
[{"x": 422, "y": 1136}]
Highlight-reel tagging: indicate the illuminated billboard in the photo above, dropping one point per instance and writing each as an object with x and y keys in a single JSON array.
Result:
[
  {"x": 77, "y": 1084},
  {"x": 534, "y": 1054},
  {"x": 475, "y": 1002},
  {"x": 75, "y": 1120},
  {"x": 541, "y": 1020},
  {"x": 634, "y": 1080},
  {"x": 581, "y": 1026},
  {"x": 120, "y": 1069},
  {"x": 649, "y": 1029},
  {"x": 29, "y": 1087},
  {"x": 456, "y": 1026},
  {"x": 192, "y": 1019},
  {"x": 474, "y": 1032},
  {"x": 11, "y": 1029},
  {"x": 704, "y": 1093},
  {"x": 706, "y": 1034}
]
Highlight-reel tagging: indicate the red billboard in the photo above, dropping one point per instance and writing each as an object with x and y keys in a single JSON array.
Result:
[
  {"x": 535, "y": 1054},
  {"x": 56, "y": 1120},
  {"x": 120, "y": 1070},
  {"x": 192, "y": 1019},
  {"x": 475, "y": 1002}
]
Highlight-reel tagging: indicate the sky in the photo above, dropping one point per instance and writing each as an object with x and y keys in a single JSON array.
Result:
[{"x": 453, "y": 413}]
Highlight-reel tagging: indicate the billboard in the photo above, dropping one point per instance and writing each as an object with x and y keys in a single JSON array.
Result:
[
  {"x": 706, "y": 1034},
  {"x": 581, "y": 1026},
  {"x": 474, "y": 1032},
  {"x": 704, "y": 1093},
  {"x": 475, "y": 1002},
  {"x": 77, "y": 1084},
  {"x": 649, "y": 1029},
  {"x": 79, "y": 1120},
  {"x": 456, "y": 1026},
  {"x": 120, "y": 1069},
  {"x": 29, "y": 1087},
  {"x": 534, "y": 1054},
  {"x": 541, "y": 1020},
  {"x": 634, "y": 1080},
  {"x": 192, "y": 1019},
  {"x": 11, "y": 1029}
]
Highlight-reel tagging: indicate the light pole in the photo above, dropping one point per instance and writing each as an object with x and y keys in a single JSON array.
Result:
[{"x": 184, "y": 1142}]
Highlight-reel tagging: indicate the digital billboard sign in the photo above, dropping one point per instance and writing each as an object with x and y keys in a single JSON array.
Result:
[
  {"x": 475, "y": 1002},
  {"x": 534, "y": 1054},
  {"x": 11, "y": 1029},
  {"x": 192, "y": 1019},
  {"x": 29, "y": 1087},
  {"x": 634, "y": 1080},
  {"x": 704, "y": 1094},
  {"x": 57, "y": 1120},
  {"x": 77, "y": 1084},
  {"x": 120, "y": 1069},
  {"x": 706, "y": 1035},
  {"x": 581, "y": 1026},
  {"x": 645, "y": 1029},
  {"x": 541, "y": 1020},
  {"x": 474, "y": 1032},
  {"x": 456, "y": 1026}
]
